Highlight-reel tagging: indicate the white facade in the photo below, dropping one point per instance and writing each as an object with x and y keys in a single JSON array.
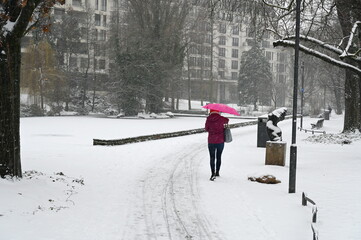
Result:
[{"x": 230, "y": 39}]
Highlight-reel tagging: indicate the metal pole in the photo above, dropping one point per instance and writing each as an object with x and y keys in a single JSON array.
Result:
[
  {"x": 302, "y": 92},
  {"x": 293, "y": 150}
]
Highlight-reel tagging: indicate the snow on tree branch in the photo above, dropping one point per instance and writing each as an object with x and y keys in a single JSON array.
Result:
[
  {"x": 324, "y": 57},
  {"x": 318, "y": 42},
  {"x": 342, "y": 53},
  {"x": 350, "y": 40}
]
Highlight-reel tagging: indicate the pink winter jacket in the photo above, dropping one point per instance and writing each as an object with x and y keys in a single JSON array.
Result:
[{"x": 215, "y": 128}]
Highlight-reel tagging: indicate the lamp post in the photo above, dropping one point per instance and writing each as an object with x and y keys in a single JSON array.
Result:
[
  {"x": 293, "y": 150},
  {"x": 302, "y": 93}
]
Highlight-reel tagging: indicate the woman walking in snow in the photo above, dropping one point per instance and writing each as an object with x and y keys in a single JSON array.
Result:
[{"x": 215, "y": 128}]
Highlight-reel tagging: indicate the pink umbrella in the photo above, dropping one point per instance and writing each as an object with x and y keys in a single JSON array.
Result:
[{"x": 221, "y": 108}]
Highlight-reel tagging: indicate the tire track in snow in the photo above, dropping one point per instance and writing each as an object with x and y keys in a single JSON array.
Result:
[{"x": 170, "y": 200}]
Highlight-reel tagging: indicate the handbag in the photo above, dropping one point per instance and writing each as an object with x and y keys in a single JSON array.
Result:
[{"x": 227, "y": 134}]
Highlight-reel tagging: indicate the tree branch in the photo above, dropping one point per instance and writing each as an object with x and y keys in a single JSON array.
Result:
[
  {"x": 288, "y": 8},
  {"x": 329, "y": 47},
  {"x": 324, "y": 57},
  {"x": 318, "y": 42},
  {"x": 345, "y": 52}
]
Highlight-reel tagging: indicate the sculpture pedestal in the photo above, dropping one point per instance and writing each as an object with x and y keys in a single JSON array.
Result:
[{"x": 275, "y": 153}]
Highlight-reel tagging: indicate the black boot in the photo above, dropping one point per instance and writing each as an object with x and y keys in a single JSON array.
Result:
[
  {"x": 217, "y": 174},
  {"x": 213, "y": 176}
]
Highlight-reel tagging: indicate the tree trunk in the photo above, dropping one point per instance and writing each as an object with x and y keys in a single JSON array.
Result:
[
  {"x": 189, "y": 84},
  {"x": 352, "y": 121},
  {"x": 348, "y": 13},
  {"x": 337, "y": 92},
  {"x": 94, "y": 90},
  {"x": 10, "y": 163}
]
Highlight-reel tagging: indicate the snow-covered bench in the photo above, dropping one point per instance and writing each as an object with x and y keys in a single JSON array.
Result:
[{"x": 318, "y": 124}]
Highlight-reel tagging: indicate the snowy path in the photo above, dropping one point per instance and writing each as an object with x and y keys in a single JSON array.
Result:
[{"x": 168, "y": 205}]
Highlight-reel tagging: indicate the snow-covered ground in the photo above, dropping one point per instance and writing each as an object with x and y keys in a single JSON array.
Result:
[{"x": 160, "y": 189}]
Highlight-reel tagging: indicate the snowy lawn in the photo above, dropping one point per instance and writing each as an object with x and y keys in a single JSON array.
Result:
[{"x": 160, "y": 189}]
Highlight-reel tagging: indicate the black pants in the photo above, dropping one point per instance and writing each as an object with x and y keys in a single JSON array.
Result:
[{"x": 215, "y": 153}]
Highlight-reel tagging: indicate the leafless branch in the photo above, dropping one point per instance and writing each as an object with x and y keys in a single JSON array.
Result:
[
  {"x": 346, "y": 53},
  {"x": 336, "y": 50},
  {"x": 324, "y": 57},
  {"x": 287, "y": 8},
  {"x": 318, "y": 42}
]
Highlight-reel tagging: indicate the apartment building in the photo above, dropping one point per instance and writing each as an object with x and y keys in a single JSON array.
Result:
[
  {"x": 213, "y": 61},
  {"x": 213, "y": 57},
  {"x": 94, "y": 18}
]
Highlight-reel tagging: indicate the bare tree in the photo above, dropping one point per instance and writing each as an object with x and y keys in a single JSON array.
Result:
[
  {"x": 158, "y": 30},
  {"x": 15, "y": 17},
  {"x": 65, "y": 36},
  {"x": 343, "y": 50}
]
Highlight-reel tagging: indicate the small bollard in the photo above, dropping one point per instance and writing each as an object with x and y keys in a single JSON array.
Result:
[
  {"x": 314, "y": 214},
  {"x": 275, "y": 153},
  {"x": 304, "y": 199}
]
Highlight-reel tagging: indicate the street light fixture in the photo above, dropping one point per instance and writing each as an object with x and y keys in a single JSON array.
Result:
[{"x": 293, "y": 150}]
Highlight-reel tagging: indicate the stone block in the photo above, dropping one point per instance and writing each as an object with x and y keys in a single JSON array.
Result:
[{"x": 275, "y": 153}]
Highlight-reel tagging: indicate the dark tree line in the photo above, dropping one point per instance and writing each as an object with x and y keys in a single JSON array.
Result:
[{"x": 149, "y": 53}]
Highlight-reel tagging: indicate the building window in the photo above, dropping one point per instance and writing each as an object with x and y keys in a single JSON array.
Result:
[
  {"x": 208, "y": 51},
  {"x": 221, "y": 74},
  {"x": 199, "y": 62},
  {"x": 104, "y": 21},
  {"x": 222, "y": 40},
  {"x": 199, "y": 73},
  {"x": 235, "y": 42},
  {"x": 192, "y": 61},
  {"x": 77, "y": 3},
  {"x": 222, "y": 52},
  {"x": 102, "y": 35},
  {"x": 193, "y": 50},
  {"x": 96, "y": 4},
  {"x": 83, "y": 62},
  {"x": 104, "y": 5},
  {"x": 269, "y": 56},
  {"x": 80, "y": 48},
  {"x": 58, "y": 13},
  {"x": 266, "y": 34},
  {"x": 101, "y": 64},
  {"x": 73, "y": 62},
  {"x": 97, "y": 20},
  {"x": 281, "y": 78},
  {"x": 221, "y": 63},
  {"x": 235, "y": 53},
  {"x": 234, "y": 75},
  {"x": 266, "y": 44},
  {"x": 208, "y": 38},
  {"x": 235, "y": 30},
  {"x": 207, "y": 62},
  {"x": 281, "y": 68},
  {"x": 234, "y": 64},
  {"x": 222, "y": 28},
  {"x": 281, "y": 57},
  {"x": 207, "y": 73},
  {"x": 193, "y": 73}
]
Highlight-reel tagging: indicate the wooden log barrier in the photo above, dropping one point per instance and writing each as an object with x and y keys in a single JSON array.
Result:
[{"x": 161, "y": 135}]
